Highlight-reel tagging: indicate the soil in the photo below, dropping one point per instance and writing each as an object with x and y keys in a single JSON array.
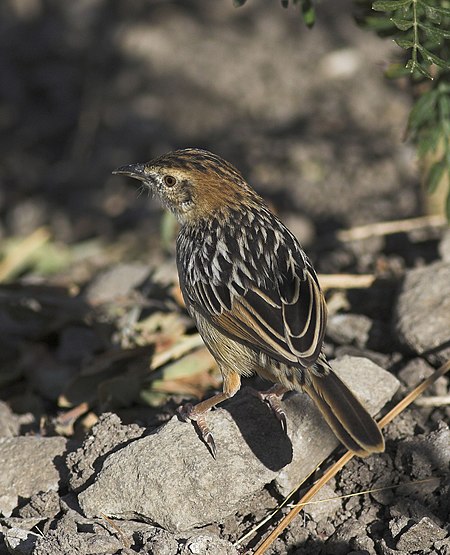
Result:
[{"x": 314, "y": 126}]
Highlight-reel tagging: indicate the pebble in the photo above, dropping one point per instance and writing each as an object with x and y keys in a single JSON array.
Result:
[{"x": 422, "y": 312}]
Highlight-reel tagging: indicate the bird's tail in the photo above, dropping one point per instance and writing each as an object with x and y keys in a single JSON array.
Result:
[{"x": 346, "y": 416}]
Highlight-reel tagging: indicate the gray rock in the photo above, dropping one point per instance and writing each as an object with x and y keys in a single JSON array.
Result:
[
  {"x": 397, "y": 525},
  {"x": 425, "y": 455},
  {"x": 312, "y": 440},
  {"x": 107, "y": 435},
  {"x": 442, "y": 547},
  {"x": 41, "y": 505},
  {"x": 156, "y": 541},
  {"x": 363, "y": 544},
  {"x": 422, "y": 312},
  {"x": 20, "y": 541},
  {"x": 170, "y": 479},
  {"x": 420, "y": 536},
  {"x": 322, "y": 505},
  {"x": 9, "y": 422},
  {"x": 204, "y": 544},
  {"x": 116, "y": 282},
  {"x": 73, "y": 534},
  {"x": 339, "y": 542},
  {"x": 415, "y": 371},
  {"x": 41, "y": 459},
  {"x": 444, "y": 246},
  {"x": 349, "y": 329}
]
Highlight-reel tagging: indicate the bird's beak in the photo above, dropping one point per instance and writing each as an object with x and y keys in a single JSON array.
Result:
[{"x": 133, "y": 170}]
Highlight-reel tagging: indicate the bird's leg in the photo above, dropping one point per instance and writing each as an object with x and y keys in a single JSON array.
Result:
[
  {"x": 197, "y": 413},
  {"x": 273, "y": 398}
]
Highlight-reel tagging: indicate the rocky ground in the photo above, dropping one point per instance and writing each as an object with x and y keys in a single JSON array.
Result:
[{"x": 97, "y": 351}]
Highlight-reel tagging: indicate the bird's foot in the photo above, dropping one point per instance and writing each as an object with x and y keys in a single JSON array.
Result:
[
  {"x": 273, "y": 398},
  {"x": 188, "y": 413}
]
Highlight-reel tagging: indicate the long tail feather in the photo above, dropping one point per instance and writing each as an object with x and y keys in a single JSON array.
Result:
[{"x": 346, "y": 416}]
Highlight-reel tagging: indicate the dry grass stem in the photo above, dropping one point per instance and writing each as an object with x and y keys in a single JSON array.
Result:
[
  {"x": 387, "y": 228},
  {"x": 433, "y": 401},
  {"x": 346, "y": 281}
]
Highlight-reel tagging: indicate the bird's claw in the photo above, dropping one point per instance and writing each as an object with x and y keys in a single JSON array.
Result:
[
  {"x": 274, "y": 402},
  {"x": 187, "y": 413}
]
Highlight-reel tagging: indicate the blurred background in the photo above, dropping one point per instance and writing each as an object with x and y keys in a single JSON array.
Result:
[{"x": 306, "y": 115}]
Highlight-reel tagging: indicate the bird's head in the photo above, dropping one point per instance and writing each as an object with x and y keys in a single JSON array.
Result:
[{"x": 194, "y": 184}]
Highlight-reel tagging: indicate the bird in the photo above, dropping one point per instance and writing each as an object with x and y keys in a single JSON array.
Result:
[{"x": 252, "y": 292}]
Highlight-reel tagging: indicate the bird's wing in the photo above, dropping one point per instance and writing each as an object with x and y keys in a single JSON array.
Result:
[
  {"x": 288, "y": 330},
  {"x": 277, "y": 308}
]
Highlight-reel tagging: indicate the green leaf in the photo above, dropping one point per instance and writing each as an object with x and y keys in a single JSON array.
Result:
[
  {"x": 433, "y": 32},
  {"x": 447, "y": 206},
  {"x": 423, "y": 110},
  {"x": 428, "y": 139},
  {"x": 404, "y": 43},
  {"x": 436, "y": 9},
  {"x": 390, "y": 5},
  {"x": 402, "y": 24},
  {"x": 396, "y": 70},
  {"x": 435, "y": 175},
  {"x": 432, "y": 58},
  {"x": 239, "y": 3},
  {"x": 414, "y": 66},
  {"x": 379, "y": 23},
  {"x": 433, "y": 15},
  {"x": 308, "y": 13},
  {"x": 444, "y": 108}
]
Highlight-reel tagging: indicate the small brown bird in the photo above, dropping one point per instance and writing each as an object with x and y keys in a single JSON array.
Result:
[{"x": 252, "y": 292}]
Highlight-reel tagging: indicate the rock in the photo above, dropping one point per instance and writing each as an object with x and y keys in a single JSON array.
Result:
[
  {"x": 322, "y": 505},
  {"x": 422, "y": 312},
  {"x": 361, "y": 331},
  {"x": 339, "y": 542},
  {"x": 41, "y": 505},
  {"x": 107, "y": 435},
  {"x": 42, "y": 459},
  {"x": 312, "y": 441},
  {"x": 169, "y": 477},
  {"x": 208, "y": 545},
  {"x": 363, "y": 544},
  {"x": 420, "y": 536},
  {"x": 156, "y": 541},
  {"x": 415, "y": 371},
  {"x": 444, "y": 246},
  {"x": 73, "y": 534},
  {"x": 9, "y": 422},
  {"x": 384, "y": 549},
  {"x": 425, "y": 455},
  {"x": 442, "y": 547},
  {"x": 397, "y": 525},
  {"x": 116, "y": 282},
  {"x": 146, "y": 479},
  {"x": 20, "y": 541},
  {"x": 349, "y": 329}
]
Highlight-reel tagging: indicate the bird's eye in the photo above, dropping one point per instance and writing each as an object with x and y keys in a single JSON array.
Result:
[{"x": 170, "y": 180}]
